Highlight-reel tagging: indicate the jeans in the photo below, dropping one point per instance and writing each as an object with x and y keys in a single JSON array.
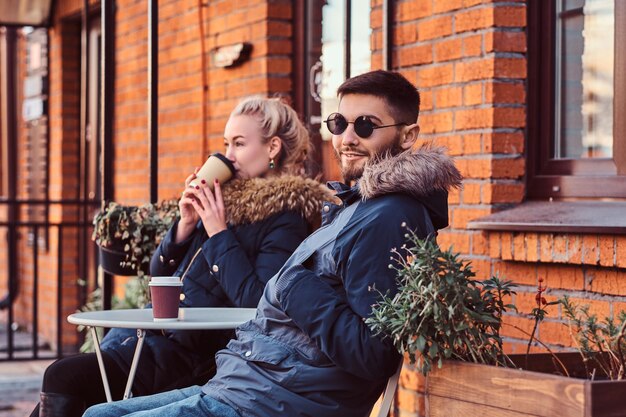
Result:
[{"x": 186, "y": 402}]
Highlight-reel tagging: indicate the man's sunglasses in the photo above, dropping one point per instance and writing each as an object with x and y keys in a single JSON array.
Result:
[{"x": 363, "y": 126}]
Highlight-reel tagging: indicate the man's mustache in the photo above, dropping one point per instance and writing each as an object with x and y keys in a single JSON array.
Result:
[{"x": 353, "y": 151}]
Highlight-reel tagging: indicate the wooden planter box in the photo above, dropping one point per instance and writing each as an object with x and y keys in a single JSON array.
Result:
[{"x": 466, "y": 390}]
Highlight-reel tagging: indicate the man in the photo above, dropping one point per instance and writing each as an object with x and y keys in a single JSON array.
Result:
[{"x": 308, "y": 352}]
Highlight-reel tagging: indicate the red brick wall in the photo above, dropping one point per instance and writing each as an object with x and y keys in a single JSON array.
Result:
[
  {"x": 64, "y": 108},
  {"x": 3, "y": 177},
  {"x": 193, "y": 105},
  {"x": 468, "y": 58},
  {"x": 3, "y": 193}
]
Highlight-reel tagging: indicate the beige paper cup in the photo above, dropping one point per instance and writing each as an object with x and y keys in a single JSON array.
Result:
[
  {"x": 165, "y": 293},
  {"x": 216, "y": 166}
]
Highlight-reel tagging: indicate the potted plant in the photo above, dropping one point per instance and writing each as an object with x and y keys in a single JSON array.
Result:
[
  {"x": 439, "y": 311},
  {"x": 127, "y": 236},
  {"x": 448, "y": 325}
]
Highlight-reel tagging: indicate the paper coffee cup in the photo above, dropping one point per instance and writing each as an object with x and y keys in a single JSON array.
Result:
[
  {"x": 165, "y": 293},
  {"x": 216, "y": 166}
]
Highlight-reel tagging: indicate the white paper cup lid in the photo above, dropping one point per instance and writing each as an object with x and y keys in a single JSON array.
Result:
[{"x": 173, "y": 281}]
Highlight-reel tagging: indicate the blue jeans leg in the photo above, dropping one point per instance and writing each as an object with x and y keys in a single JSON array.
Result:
[{"x": 139, "y": 404}]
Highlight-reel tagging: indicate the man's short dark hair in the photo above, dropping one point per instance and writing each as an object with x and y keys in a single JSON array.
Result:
[{"x": 399, "y": 94}]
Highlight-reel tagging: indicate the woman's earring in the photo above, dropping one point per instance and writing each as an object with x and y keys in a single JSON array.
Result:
[{"x": 272, "y": 165}]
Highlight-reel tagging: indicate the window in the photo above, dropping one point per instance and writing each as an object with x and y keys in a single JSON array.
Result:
[
  {"x": 333, "y": 41},
  {"x": 345, "y": 53},
  {"x": 577, "y": 99}
]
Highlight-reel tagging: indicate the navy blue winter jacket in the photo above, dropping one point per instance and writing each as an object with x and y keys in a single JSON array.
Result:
[
  {"x": 308, "y": 352},
  {"x": 267, "y": 219}
]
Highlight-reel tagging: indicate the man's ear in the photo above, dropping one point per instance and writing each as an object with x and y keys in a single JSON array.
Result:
[
  {"x": 275, "y": 145},
  {"x": 409, "y": 136}
]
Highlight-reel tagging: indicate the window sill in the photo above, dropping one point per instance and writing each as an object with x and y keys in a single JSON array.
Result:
[{"x": 601, "y": 217}]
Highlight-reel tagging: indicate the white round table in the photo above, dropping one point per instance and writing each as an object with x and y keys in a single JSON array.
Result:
[{"x": 206, "y": 318}]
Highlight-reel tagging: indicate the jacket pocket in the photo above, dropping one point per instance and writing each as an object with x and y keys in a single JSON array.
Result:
[
  {"x": 260, "y": 349},
  {"x": 267, "y": 357}
]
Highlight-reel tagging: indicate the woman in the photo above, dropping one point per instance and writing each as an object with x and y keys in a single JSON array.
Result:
[{"x": 230, "y": 243}]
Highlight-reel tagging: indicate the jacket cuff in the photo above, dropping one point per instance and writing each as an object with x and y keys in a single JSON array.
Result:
[
  {"x": 214, "y": 248},
  {"x": 172, "y": 253}
]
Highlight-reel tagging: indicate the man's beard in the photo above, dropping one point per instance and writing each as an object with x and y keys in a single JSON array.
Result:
[{"x": 352, "y": 172}]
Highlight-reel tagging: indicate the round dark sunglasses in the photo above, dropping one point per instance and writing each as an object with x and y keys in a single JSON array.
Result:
[{"x": 363, "y": 126}]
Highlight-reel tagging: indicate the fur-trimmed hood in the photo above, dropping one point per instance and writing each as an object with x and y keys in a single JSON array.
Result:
[
  {"x": 256, "y": 199},
  {"x": 417, "y": 173},
  {"x": 426, "y": 174}
]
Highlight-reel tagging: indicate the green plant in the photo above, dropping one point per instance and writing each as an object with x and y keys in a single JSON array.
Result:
[
  {"x": 439, "y": 311},
  {"x": 136, "y": 231},
  {"x": 601, "y": 344},
  {"x": 539, "y": 312}
]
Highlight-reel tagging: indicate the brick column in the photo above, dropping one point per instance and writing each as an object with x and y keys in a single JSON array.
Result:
[{"x": 468, "y": 60}]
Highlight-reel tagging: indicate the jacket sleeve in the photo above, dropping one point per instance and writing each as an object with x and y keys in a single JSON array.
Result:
[
  {"x": 335, "y": 319},
  {"x": 168, "y": 256},
  {"x": 242, "y": 280}
]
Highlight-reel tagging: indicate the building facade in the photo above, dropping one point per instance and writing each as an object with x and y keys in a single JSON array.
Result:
[{"x": 527, "y": 95}]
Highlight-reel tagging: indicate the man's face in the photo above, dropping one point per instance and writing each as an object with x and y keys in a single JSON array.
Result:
[{"x": 353, "y": 151}]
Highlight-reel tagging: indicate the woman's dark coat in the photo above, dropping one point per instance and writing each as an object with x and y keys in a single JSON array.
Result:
[{"x": 267, "y": 220}]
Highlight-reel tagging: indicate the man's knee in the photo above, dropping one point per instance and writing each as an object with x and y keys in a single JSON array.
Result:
[{"x": 98, "y": 410}]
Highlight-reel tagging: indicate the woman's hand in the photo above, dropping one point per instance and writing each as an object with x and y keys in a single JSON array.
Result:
[
  {"x": 188, "y": 215},
  {"x": 210, "y": 207}
]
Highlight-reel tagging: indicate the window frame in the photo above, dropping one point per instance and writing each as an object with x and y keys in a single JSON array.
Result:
[
  {"x": 307, "y": 23},
  {"x": 569, "y": 178}
]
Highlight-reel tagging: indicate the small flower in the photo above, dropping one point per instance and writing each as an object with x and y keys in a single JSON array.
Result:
[{"x": 540, "y": 300}]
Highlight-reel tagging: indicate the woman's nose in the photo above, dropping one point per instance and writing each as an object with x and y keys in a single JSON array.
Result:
[{"x": 230, "y": 154}]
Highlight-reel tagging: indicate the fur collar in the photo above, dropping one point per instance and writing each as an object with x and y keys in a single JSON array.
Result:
[
  {"x": 254, "y": 200},
  {"x": 417, "y": 173}
]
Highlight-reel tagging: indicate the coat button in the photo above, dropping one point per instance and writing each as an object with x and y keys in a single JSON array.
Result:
[
  {"x": 172, "y": 262},
  {"x": 326, "y": 208},
  {"x": 182, "y": 297},
  {"x": 162, "y": 259},
  {"x": 215, "y": 268},
  {"x": 247, "y": 354}
]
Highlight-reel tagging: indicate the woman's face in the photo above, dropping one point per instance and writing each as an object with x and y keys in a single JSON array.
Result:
[{"x": 245, "y": 148}]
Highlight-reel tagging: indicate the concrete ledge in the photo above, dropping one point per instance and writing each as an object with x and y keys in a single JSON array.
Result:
[{"x": 601, "y": 217}]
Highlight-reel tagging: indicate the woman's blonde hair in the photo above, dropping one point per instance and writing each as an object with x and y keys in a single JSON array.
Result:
[{"x": 279, "y": 119}]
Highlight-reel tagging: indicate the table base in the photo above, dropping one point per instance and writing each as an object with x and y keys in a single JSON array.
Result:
[{"x": 133, "y": 367}]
